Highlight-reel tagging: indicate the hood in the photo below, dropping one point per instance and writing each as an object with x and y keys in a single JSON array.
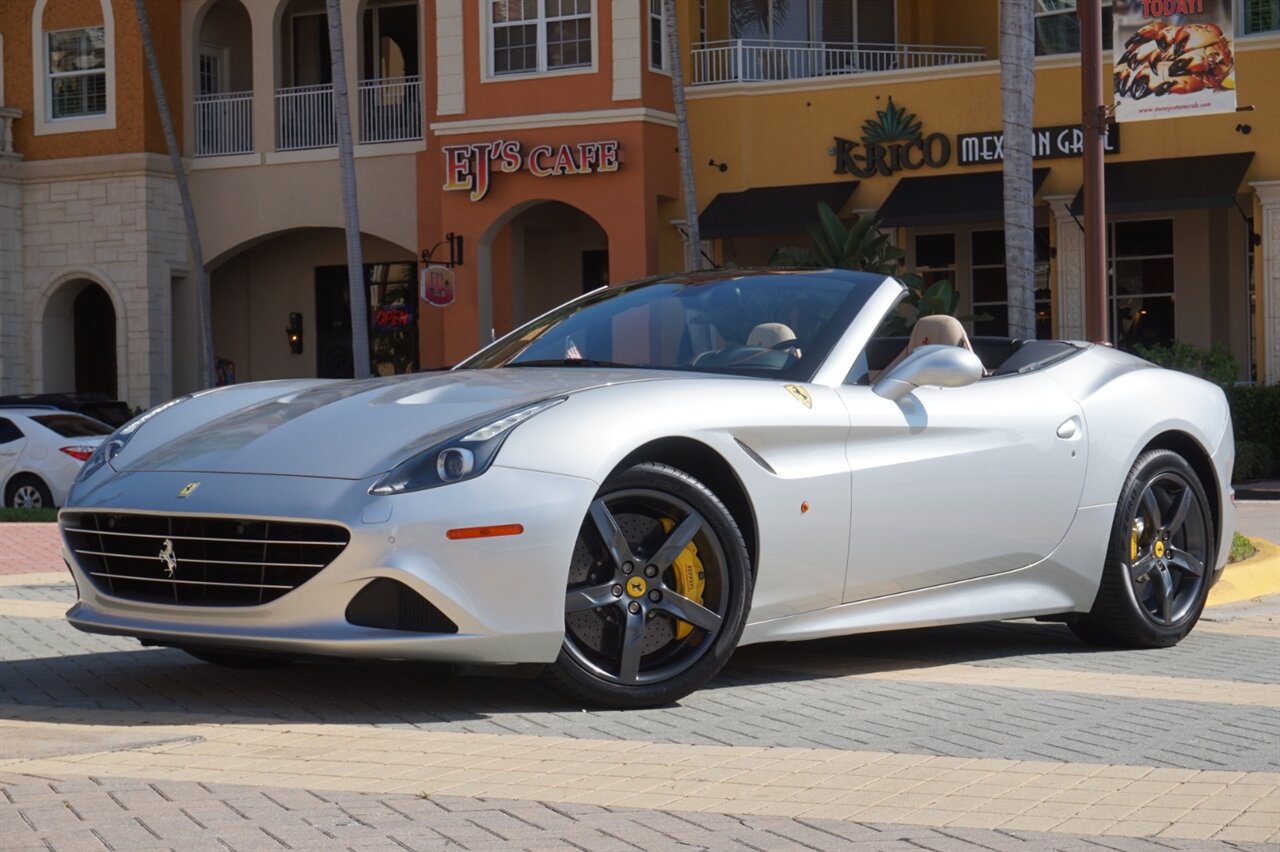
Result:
[{"x": 356, "y": 429}]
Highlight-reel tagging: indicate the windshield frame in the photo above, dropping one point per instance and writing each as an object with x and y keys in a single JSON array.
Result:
[{"x": 862, "y": 292}]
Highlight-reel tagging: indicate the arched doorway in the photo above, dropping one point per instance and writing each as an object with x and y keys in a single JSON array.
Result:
[
  {"x": 79, "y": 340},
  {"x": 281, "y": 307},
  {"x": 548, "y": 254}
]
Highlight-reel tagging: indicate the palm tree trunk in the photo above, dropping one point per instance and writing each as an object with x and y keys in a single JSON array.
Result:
[
  {"x": 1017, "y": 97},
  {"x": 351, "y": 210},
  {"x": 692, "y": 239},
  {"x": 204, "y": 321}
]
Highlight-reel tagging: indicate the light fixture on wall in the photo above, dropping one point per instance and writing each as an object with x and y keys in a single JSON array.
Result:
[
  {"x": 724, "y": 167},
  {"x": 294, "y": 333}
]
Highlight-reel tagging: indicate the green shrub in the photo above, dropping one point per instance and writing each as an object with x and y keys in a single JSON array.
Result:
[
  {"x": 1241, "y": 548},
  {"x": 1255, "y": 417},
  {"x": 1253, "y": 461},
  {"x": 1216, "y": 365}
]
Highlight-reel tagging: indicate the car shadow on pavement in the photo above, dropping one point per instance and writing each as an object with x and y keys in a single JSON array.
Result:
[{"x": 160, "y": 686}]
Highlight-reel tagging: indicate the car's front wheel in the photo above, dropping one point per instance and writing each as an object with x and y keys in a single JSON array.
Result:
[
  {"x": 658, "y": 591},
  {"x": 1159, "y": 559}
]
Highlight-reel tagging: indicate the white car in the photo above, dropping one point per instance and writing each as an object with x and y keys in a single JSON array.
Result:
[
  {"x": 41, "y": 451},
  {"x": 630, "y": 486}
]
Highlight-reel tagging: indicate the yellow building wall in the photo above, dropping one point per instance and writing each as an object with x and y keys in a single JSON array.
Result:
[{"x": 776, "y": 134}]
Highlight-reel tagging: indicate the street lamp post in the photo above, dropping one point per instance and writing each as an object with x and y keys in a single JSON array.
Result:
[{"x": 1095, "y": 132}]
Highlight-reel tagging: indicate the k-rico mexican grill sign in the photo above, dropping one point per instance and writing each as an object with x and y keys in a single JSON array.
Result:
[{"x": 891, "y": 142}]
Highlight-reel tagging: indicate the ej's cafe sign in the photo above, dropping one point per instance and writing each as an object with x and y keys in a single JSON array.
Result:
[{"x": 471, "y": 167}]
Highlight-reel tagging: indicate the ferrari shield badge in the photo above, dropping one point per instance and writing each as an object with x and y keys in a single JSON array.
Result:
[
  {"x": 188, "y": 488},
  {"x": 801, "y": 394}
]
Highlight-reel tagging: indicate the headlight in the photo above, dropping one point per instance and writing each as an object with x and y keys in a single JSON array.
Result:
[{"x": 464, "y": 456}]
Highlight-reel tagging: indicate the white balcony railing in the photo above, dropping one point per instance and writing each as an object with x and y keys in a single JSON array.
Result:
[
  {"x": 224, "y": 124},
  {"x": 304, "y": 118},
  {"x": 391, "y": 109},
  {"x": 751, "y": 60}
]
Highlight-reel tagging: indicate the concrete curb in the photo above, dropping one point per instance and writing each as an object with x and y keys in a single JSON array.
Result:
[{"x": 1255, "y": 577}]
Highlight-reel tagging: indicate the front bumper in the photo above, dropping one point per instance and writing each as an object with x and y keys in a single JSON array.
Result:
[{"x": 505, "y": 594}]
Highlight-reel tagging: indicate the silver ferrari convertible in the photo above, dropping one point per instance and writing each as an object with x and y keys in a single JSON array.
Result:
[{"x": 627, "y": 488}]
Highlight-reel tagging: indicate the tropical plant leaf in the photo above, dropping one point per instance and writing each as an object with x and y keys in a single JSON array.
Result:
[
  {"x": 791, "y": 257},
  {"x": 892, "y": 124}
]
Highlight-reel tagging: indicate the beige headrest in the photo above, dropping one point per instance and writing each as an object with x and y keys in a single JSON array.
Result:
[
  {"x": 940, "y": 330},
  {"x": 770, "y": 334}
]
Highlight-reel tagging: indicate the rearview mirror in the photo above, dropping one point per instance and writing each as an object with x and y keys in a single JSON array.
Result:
[{"x": 938, "y": 366}]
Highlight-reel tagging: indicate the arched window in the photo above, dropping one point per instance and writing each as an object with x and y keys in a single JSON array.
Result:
[{"x": 73, "y": 72}]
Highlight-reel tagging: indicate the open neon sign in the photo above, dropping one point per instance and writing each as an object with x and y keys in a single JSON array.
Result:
[{"x": 471, "y": 167}]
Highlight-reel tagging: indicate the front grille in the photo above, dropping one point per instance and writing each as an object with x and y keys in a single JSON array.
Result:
[{"x": 199, "y": 561}]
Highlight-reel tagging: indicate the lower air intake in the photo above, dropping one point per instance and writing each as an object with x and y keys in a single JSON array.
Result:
[{"x": 391, "y": 605}]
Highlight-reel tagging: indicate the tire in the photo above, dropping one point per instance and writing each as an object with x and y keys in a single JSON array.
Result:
[
  {"x": 232, "y": 660},
  {"x": 654, "y": 543},
  {"x": 28, "y": 492},
  {"x": 1156, "y": 576}
]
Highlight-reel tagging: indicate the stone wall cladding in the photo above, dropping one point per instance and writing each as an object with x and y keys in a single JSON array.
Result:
[
  {"x": 124, "y": 230},
  {"x": 12, "y": 361}
]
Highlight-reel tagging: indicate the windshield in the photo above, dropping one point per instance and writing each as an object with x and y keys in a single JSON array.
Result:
[
  {"x": 73, "y": 425},
  {"x": 762, "y": 323}
]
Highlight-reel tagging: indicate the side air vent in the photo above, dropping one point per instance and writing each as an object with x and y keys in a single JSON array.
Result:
[{"x": 391, "y": 605}]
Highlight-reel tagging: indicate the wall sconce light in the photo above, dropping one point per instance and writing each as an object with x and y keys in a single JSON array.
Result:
[
  {"x": 294, "y": 333},
  {"x": 724, "y": 167}
]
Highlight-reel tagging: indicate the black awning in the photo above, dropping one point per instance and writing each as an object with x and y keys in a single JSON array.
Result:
[
  {"x": 949, "y": 199},
  {"x": 770, "y": 210},
  {"x": 1177, "y": 183}
]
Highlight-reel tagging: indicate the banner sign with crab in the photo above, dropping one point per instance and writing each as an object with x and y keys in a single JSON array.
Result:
[{"x": 1173, "y": 58}]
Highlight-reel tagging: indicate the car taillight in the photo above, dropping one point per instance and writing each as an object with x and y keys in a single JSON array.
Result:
[{"x": 79, "y": 453}]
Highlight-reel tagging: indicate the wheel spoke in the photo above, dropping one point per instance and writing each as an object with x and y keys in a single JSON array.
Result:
[
  {"x": 684, "y": 609},
  {"x": 1141, "y": 567},
  {"x": 1180, "y": 512},
  {"x": 1152, "y": 506},
  {"x": 609, "y": 530},
  {"x": 1165, "y": 593},
  {"x": 1186, "y": 561},
  {"x": 677, "y": 541},
  {"x": 589, "y": 597},
  {"x": 632, "y": 634}
]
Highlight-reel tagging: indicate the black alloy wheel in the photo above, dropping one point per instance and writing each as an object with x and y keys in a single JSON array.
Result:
[
  {"x": 1159, "y": 560},
  {"x": 657, "y": 592}
]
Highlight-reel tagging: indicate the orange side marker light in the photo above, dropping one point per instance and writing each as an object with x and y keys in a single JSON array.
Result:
[{"x": 484, "y": 532}]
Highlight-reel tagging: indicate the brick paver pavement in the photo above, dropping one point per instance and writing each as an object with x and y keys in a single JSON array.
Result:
[
  {"x": 1002, "y": 736},
  {"x": 28, "y": 548}
]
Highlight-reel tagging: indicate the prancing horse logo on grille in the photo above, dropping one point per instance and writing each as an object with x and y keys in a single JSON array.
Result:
[{"x": 169, "y": 558}]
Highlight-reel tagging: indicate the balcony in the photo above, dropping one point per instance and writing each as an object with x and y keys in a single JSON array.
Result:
[
  {"x": 305, "y": 118},
  {"x": 390, "y": 109},
  {"x": 758, "y": 60},
  {"x": 224, "y": 124}
]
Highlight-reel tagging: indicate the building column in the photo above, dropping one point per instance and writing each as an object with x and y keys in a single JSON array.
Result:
[
  {"x": 1068, "y": 265},
  {"x": 266, "y": 58},
  {"x": 1267, "y": 282}
]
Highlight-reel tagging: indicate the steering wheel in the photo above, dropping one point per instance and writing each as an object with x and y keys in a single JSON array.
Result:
[{"x": 784, "y": 345}]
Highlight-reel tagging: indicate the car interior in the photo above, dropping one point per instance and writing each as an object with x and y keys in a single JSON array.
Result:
[{"x": 1000, "y": 356}]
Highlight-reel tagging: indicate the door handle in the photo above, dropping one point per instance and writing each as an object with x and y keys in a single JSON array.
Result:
[{"x": 1068, "y": 429}]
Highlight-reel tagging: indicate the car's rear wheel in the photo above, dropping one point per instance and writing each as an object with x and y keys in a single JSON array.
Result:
[
  {"x": 658, "y": 590},
  {"x": 1159, "y": 559},
  {"x": 28, "y": 492}
]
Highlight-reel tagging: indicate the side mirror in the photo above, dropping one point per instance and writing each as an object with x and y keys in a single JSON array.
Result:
[{"x": 939, "y": 366}]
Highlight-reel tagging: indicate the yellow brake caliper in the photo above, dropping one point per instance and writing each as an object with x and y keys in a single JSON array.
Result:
[{"x": 691, "y": 580}]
